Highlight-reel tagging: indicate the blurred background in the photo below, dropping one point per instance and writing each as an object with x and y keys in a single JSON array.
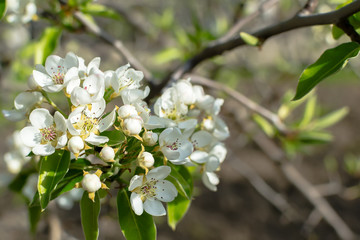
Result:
[{"x": 163, "y": 35}]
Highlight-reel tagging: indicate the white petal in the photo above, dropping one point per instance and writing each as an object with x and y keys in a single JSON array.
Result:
[
  {"x": 41, "y": 118},
  {"x": 62, "y": 141},
  {"x": 199, "y": 156},
  {"x": 136, "y": 181},
  {"x": 108, "y": 121},
  {"x": 30, "y": 136},
  {"x": 212, "y": 164},
  {"x": 80, "y": 96},
  {"x": 95, "y": 63},
  {"x": 97, "y": 109},
  {"x": 60, "y": 122},
  {"x": 158, "y": 173},
  {"x": 71, "y": 60},
  {"x": 26, "y": 100},
  {"x": 96, "y": 140},
  {"x": 154, "y": 207},
  {"x": 14, "y": 115},
  {"x": 188, "y": 124},
  {"x": 53, "y": 64},
  {"x": 71, "y": 74},
  {"x": 136, "y": 203},
  {"x": 165, "y": 191},
  {"x": 210, "y": 180},
  {"x": 72, "y": 84},
  {"x": 53, "y": 88},
  {"x": 42, "y": 79},
  {"x": 170, "y": 154},
  {"x": 121, "y": 70},
  {"x": 186, "y": 148},
  {"x": 93, "y": 83},
  {"x": 43, "y": 149},
  {"x": 201, "y": 139},
  {"x": 221, "y": 131},
  {"x": 220, "y": 151}
]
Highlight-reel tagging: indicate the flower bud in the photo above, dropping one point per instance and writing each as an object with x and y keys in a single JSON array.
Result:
[
  {"x": 146, "y": 159},
  {"x": 76, "y": 144},
  {"x": 150, "y": 138},
  {"x": 133, "y": 125},
  {"x": 91, "y": 182},
  {"x": 126, "y": 111},
  {"x": 107, "y": 154}
]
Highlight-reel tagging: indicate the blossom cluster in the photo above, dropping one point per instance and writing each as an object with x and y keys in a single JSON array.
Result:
[{"x": 185, "y": 128}]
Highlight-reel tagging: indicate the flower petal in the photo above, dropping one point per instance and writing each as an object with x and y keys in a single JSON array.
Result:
[
  {"x": 165, "y": 191},
  {"x": 158, "y": 173},
  {"x": 53, "y": 88},
  {"x": 26, "y": 100},
  {"x": 201, "y": 139},
  {"x": 154, "y": 207},
  {"x": 54, "y": 64},
  {"x": 62, "y": 141},
  {"x": 41, "y": 118},
  {"x": 108, "y": 121},
  {"x": 136, "y": 203},
  {"x": 60, "y": 122},
  {"x": 136, "y": 181},
  {"x": 199, "y": 156},
  {"x": 72, "y": 84},
  {"x": 14, "y": 115},
  {"x": 42, "y": 79},
  {"x": 210, "y": 180},
  {"x": 30, "y": 136},
  {"x": 96, "y": 140},
  {"x": 80, "y": 96},
  {"x": 97, "y": 108},
  {"x": 43, "y": 149}
]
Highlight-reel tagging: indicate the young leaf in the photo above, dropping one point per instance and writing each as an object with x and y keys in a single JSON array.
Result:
[
  {"x": 2, "y": 8},
  {"x": 46, "y": 44},
  {"x": 182, "y": 180},
  {"x": 89, "y": 216},
  {"x": 100, "y": 10},
  {"x": 115, "y": 137},
  {"x": 34, "y": 217},
  {"x": 265, "y": 125},
  {"x": 177, "y": 210},
  {"x": 329, "y": 62},
  {"x": 52, "y": 169},
  {"x": 309, "y": 112},
  {"x": 330, "y": 119},
  {"x": 315, "y": 137},
  {"x": 134, "y": 227},
  {"x": 250, "y": 39}
]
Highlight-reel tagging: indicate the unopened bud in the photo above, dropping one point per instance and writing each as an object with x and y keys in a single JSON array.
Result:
[
  {"x": 126, "y": 111},
  {"x": 91, "y": 182},
  {"x": 133, "y": 125},
  {"x": 150, "y": 138},
  {"x": 107, "y": 154},
  {"x": 146, "y": 159},
  {"x": 76, "y": 144}
]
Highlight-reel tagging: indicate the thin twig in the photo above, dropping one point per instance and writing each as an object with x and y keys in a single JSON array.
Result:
[
  {"x": 243, "y": 100},
  {"x": 243, "y": 21},
  {"x": 117, "y": 44},
  {"x": 297, "y": 21},
  {"x": 345, "y": 25},
  {"x": 275, "y": 198}
]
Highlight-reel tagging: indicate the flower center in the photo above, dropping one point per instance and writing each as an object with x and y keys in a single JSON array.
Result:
[
  {"x": 48, "y": 134},
  {"x": 86, "y": 124},
  {"x": 148, "y": 189},
  {"x": 58, "y": 75},
  {"x": 174, "y": 146}
]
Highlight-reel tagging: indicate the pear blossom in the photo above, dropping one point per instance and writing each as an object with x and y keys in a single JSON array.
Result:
[
  {"x": 174, "y": 145},
  {"x": 91, "y": 183},
  {"x": 126, "y": 111},
  {"x": 23, "y": 103},
  {"x": 124, "y": 78},
  {"x": 57, "y": 73},
  {"x": 21, "y": 11},
  {"x": 133, "y": 125},
  {"x": 76, "y": 144},
  {"x": 46, "y": 132},
  {"x": 148, "y": 190},
  {"x": 107, "y": 154},
  {"x": 150, "y": 138}
]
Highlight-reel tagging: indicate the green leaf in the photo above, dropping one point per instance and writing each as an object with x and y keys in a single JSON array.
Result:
[
  {"x": 250, "y": 39},
  {"x": 182, "y": 180},
  {"x": 100, "y": 10},
  {"x": 67, "y": 183},
  {"x": 177, "y": 210},
  {"x": 315, "y": 137},
  {"x": 134, "y": 227},
  {"x": 2, "y": 8},
  {"x": 309, "y": 111},
  {"x": 264, "y": 124},
  {"x": 47, "y": 44},
  {"x": 115, "y": 137},
  {"x": 34, "y": 217},
  {"x": 336, "y": 32},
  {"x": 52, "y": 169},
  {"x": 168, "y": 55},
  {"x": 329, "y": 62},
  {"x": 90, "y": 215},
  {"x": 330, "y": 119}
]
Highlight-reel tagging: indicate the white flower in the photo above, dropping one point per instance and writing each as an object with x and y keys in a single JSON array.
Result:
[
  {"x": 85, "y": 122},
  {"x": 150, "y": 138},
  {"x": 125, "y": 78},
  {"x": 91, "y": 182},
  {"x": 57, "y": 73},
  {"x": 92, "y": 67},
  {"x": 20, "y": 11},
  {"x": 126, "y": 111},
  {"x": 23, "y": 103},
  {"x": 185, "y": 92},
  {"x": 17, "y": 156},
  {"x": 169, "y": 105},
  {"x": 209, "y": 178},
  {"x": 107, "y": 154},
  {"x": 149, "y": 190},
  {"x": 174, "y": 145},
  {"x": 46, "y": 134}
]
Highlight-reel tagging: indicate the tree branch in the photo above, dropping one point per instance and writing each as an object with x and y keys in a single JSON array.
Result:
[
  {"x": 117, "y": 44},
  {"x": 297, "y": 21}
]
